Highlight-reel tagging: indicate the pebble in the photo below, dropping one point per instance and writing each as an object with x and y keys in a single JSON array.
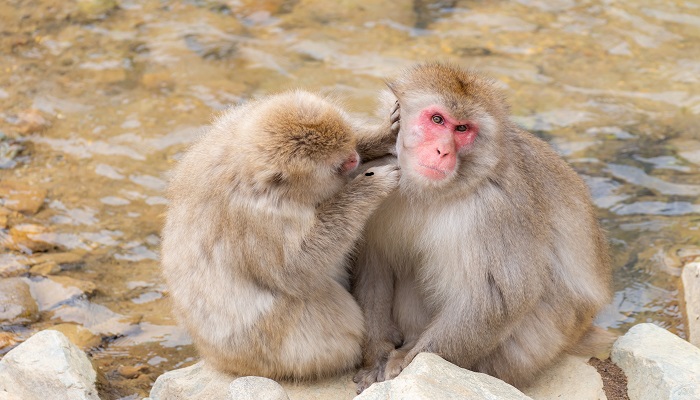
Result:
[
  {"x": 21, "y": 197},
  {"x": 79, "y": 335},
  {"x": 44, "y": 269},
  {"x": 66, "y": 260},
  {"x": 12, "y": 265},
  {"x": 17, "y": 306},
  {"x": 132, "y": 372},
  {"x": 31, "y": 121},
  {"x": 86, "y": 287},
  {"x": 27, "y": 238}
]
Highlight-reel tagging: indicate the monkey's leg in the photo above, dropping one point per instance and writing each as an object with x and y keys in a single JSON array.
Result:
[{"x": 374, "y": 290}]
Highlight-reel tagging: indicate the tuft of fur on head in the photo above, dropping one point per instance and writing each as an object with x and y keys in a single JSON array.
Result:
[{"x": 290, "y": 144}]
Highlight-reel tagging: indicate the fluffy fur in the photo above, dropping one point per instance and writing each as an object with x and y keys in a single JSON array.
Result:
[
  {"x": 500, "y": 267},
  {"x": 260, "y": 222}
]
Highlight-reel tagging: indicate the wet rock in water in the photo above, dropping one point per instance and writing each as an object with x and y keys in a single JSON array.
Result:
[
  {"x": 4, "y": 215},
  {"x": 431, "y": 377},
  {"x": 325, "y": 12},
  {"x": 200, "y": 381},
  {"x": 12, "y": 265},
  {"x": 6, "y": 340},
  {"x": 691, "y": 287},
  {"x": 45, "y": 269},
  {"x": 658, "y": 364},
  {"x": 66, "y": 261},
  {"x": 90, "y": 10},
  {"x": 17, "y": 306},
  {"x": 86, "y": 287},
  {"x": 132, "y": 372},
  {"x": 9, "y": 151},
  {"x": 255, "y": 388},
  {"x": 20, "y": 197},
  {"x": 48, "y": 366},
  {"x": 31, "y": 121},
  {"x": 570, "y": 378},
  {"x": 79, "y": 336},
  {"x": 27, "y": 238}
]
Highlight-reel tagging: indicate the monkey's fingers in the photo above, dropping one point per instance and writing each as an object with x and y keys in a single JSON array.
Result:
[
  {"x": 365, "y": 377},
  {"x": 395, "y": 118}
]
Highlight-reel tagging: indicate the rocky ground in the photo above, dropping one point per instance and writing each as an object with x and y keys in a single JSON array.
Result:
[{"x": 657, "y": 364}]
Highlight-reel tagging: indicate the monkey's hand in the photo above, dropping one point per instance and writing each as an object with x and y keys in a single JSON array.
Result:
[
  {"x": 395, "y": 118},
  {"x": 379, "y": 181},
  {"x": 375, "y": 354}
]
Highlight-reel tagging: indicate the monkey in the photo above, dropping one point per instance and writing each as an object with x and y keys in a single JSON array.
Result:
[
  {"x": 489, "y": 253},
  {"x": 261, "y": 219}
]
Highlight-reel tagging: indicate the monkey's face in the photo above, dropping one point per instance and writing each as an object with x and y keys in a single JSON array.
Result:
[{"x": 431, "y": 141}]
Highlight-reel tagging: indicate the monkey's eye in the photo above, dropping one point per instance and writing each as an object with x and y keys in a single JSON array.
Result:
[
  {"x": 437, "y": 119},
  {"x": 462, "y": 128}
]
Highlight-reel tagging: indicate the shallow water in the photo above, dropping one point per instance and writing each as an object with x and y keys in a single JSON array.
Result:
[{"x": 99, "y": 98}]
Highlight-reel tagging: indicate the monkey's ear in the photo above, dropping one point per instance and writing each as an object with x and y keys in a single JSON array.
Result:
[{"x": 393, "y": 87}]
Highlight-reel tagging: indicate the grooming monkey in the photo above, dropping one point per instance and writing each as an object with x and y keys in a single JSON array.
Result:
[
  {"x": 261, "y": 219},
  {"x": 489, "y": 254}
]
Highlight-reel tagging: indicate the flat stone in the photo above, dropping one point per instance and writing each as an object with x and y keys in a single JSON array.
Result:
[
  {"x": 79, "y": 335},
  {"x": 255, "y": 388},
  {"x": 66, "y": 259},
  {"x": 86, "y": 287},
  {"x": 17, "y": 306},
  {"x": 48, "y": 366},
  {"x": 45, "y": 269},
  {"x": 27, "y": 238},
  {"x": 12, "y": 265},
  {"x": 132, "y": 371},
  {"x": 199, "y": 381},
  {"x": 431, "y": 377},
  {"x": 21, "y": 197},
  {"x": 570, "y": 378},
  {"x": 31, "y": 121},
  {"x": 658, "y": 364},
  {"x": 691, "y": 287}
]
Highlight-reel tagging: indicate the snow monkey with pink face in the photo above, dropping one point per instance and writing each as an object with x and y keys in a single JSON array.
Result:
[
  {"x": 489, "y": 254},
  {"x": 262, "y": 217}
]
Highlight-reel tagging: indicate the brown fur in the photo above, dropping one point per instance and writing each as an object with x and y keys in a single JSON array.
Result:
[
  {"x": 260, "y": 222},
  {"x": 498, "y": 268}
]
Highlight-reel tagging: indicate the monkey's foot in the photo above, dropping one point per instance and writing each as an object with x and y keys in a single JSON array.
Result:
[
  {"x": 395, "y": 363},
  {"x": 365, "y": 377}
]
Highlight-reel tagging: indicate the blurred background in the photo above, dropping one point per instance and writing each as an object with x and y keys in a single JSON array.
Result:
[{"x": 98, "y": 99}]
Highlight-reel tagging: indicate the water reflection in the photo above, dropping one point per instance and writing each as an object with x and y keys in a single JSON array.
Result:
[{"x": 96, "y": 105}]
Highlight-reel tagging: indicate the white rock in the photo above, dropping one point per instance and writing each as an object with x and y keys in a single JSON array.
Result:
[
  {"x": 691, "y": 287},
  {"x": 256, "y": 388},
  {"x": 47, "y": 366},
  {"x": 431, "y": 377},
  {"x": 659, "y": 365},
  {"x": 202, "y": 382},
  {"x": 570, "y": 378}
]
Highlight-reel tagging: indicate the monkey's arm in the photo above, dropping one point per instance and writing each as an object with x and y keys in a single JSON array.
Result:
[{"x": 374, "y": 141}]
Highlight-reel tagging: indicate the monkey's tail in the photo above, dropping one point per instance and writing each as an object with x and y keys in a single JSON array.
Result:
[{"x": 595, "y": 342}]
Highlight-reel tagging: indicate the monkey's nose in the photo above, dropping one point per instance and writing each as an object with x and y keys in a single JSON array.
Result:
[{"x": 442, "y": 153}]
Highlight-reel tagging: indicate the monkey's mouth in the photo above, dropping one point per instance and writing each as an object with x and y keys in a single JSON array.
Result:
[{"x": 433, "y": 172}]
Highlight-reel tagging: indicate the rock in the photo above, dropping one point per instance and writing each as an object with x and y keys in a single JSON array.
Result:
[
  {"x": 431, "y": 377},
  {"x": 691, "y": 287},
  {"x": 351, "y": 12},
  {"x": 48, "y": 366},
  {"x": 570, "y": 378},
  {"x": 86, "y": 287},
  {"x": 79, "y": 335},
  {"x": 202, "y": 382},
  {"x": 131, "y": 372},
  {"x": 12, "y": 265},
  {"x": 16, "y": 302},
  {"x": 66, "y": 260},
  {"x": 6, "y": 340},
  {"x": 255, "y": 388},
  {"x": 31, "y": 121},
  {"x": 44, "y": 269},
  {"x": 20, "y": 197},
  {"x": 658, "y": 364},
  {"x": 27, "y": 238}
]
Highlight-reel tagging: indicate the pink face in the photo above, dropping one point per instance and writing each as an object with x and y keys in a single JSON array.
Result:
[{"x": 436, "y": 140}]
